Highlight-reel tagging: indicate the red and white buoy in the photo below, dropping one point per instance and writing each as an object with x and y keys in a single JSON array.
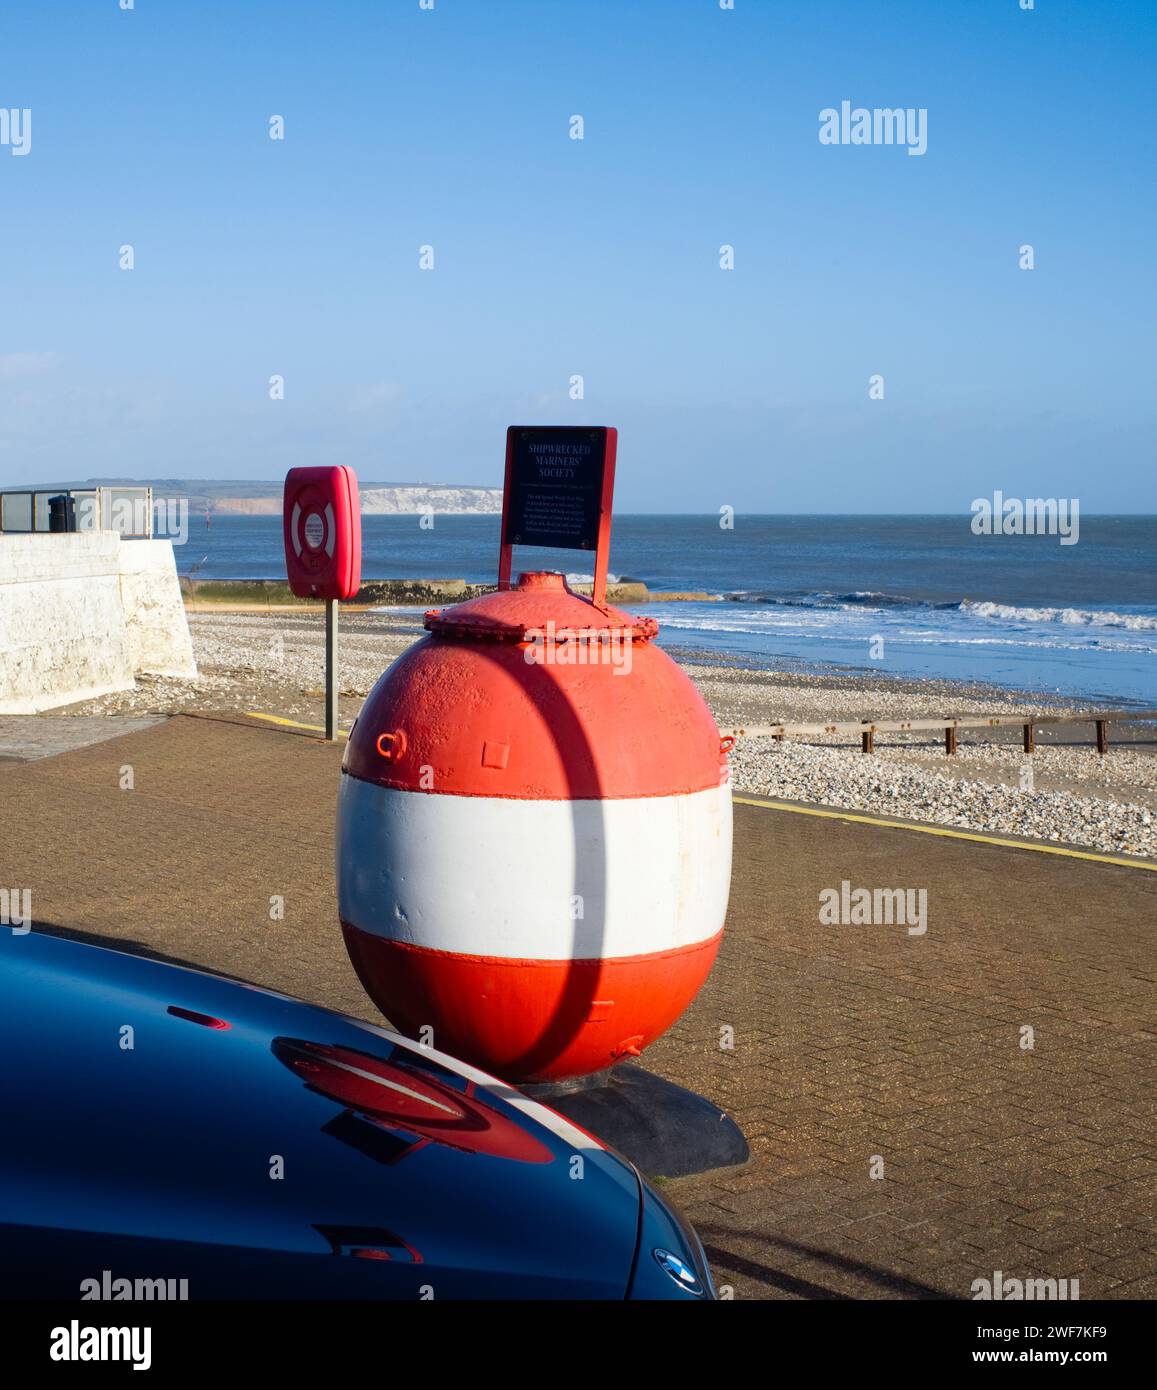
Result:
[{"x": 534, "y": 835}]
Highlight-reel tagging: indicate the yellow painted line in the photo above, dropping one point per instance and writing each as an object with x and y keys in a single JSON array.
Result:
[
  {"x": 293, "y": 723},
  {"x": 946, "y": 833}
]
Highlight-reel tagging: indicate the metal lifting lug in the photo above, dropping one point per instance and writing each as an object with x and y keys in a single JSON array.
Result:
[{"x": 392, "y": 747}]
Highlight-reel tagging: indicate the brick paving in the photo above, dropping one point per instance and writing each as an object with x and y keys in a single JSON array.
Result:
[
  {"x": 852, "y": 1044},
  {"x": 857, "y": 1041}
]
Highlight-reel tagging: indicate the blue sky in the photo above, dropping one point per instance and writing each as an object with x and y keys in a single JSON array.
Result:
[{"x": 555, "y": 257}]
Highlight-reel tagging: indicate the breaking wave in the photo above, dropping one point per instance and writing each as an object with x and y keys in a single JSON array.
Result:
[
  {"x": 1071, "y": 617},
  {"x": 871, "y": 600}
]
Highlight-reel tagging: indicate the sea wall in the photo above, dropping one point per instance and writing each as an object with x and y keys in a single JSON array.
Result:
[
  {"x": 81, "y": 614},
  {"x": 275, "y": 593}
]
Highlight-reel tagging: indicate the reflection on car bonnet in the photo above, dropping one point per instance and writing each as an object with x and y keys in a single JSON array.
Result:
[{"x": 396, "y": 1096}]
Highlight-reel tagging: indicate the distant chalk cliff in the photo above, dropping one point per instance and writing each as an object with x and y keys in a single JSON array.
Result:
[
  {"x": 238, "y": 497},
  {"x": 379, "y": 501},
  {"x": 403, "y": 499}
]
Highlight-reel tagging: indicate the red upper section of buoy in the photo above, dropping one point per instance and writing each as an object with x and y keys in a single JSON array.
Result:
[{"x": 537, "y": 693}]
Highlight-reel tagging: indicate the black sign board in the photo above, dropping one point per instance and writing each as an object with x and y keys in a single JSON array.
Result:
[
  {"x": 554, "y": 486},
  {"x": 560, "y": 482}
]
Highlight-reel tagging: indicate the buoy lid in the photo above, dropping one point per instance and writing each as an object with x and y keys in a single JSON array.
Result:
[{"x": 542, "y": 608}]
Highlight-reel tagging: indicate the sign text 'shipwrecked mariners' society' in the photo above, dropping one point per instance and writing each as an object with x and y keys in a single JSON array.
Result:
[{"x": 555, "y": 486}]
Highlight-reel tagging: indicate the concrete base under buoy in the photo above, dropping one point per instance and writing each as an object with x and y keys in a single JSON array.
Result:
[{"x": 664, "y": 1129}]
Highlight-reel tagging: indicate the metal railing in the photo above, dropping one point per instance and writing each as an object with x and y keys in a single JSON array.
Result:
[{"x": 128, "y": 510}]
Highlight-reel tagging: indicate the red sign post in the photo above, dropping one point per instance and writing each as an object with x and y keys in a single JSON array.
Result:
[{"x": 322, "y": 529}]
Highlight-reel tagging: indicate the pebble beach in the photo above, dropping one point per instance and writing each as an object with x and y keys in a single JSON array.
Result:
[{"x": 271, "y": 660}]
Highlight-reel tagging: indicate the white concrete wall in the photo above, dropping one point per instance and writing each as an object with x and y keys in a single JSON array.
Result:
[
  {"x": 62, "y": 626},
  {"x": 80, "y": 614},
  {"x": 154, "y": 612}
]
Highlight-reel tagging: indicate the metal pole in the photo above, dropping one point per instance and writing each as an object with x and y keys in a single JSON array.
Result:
[{"x": 331, "y": 610}]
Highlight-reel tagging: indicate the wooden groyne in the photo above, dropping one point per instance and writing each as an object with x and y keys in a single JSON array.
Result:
[{"x": 948, "y": 726}]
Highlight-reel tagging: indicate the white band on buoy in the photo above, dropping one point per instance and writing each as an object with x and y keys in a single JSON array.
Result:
[{"x": 548, "y": 880}]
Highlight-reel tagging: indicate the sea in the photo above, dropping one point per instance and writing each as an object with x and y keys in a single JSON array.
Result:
[{"x": 913, "y": 596}]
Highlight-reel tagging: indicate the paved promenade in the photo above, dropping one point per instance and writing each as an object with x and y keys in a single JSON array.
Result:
[{"x": 841, "y": 1050}]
